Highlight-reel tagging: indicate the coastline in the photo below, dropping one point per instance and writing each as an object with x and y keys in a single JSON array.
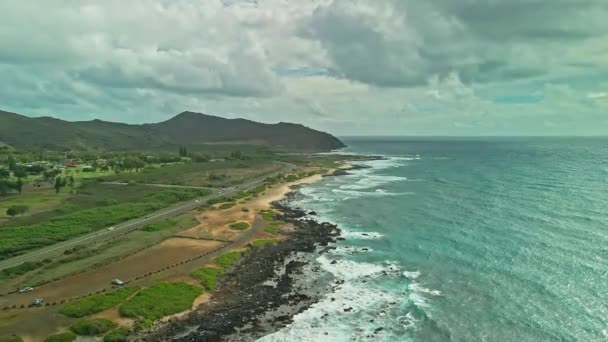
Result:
[{"x": 264, "y": 291}]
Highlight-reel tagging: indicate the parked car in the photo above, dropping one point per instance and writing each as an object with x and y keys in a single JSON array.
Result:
[
  {"x": 111, "y": 228},
  {"x": 117, "y": 282},
  {"x": 26, "y": 289},
  {"x": 38, "y": 302}
]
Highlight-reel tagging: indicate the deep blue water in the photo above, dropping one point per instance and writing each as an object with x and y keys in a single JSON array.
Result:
[{"x": 465, "y": 240}]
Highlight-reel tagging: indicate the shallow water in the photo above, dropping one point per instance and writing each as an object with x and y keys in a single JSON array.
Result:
[{"x": 465, "y": 240}]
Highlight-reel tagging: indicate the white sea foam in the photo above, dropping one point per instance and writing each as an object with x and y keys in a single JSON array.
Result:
[
  {"x": 349, "y": 250},
  {"x": 416, "y": 287},
  {"x": 353, "y": 311},
  {"x": 361, "y": 235},
  {"x": 411, "y": 274}
]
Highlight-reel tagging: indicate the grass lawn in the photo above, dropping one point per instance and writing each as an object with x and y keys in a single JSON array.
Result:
[
  {"x": 160, "y": 300},
  {"x": 117, "y": 335},
  {"x": 227, "y": 205},
  {"x": 264, "y": 242},
  {"x": 268, "y": 215},
  {"x": 208, "y": 276},
  {"x": 67, "y": 336},
  {"x": 97, "y": 303},
  {"x": 10, "y": 338},
  {"x": 95, "y": 207},
  {"x": 105, "y": 252},
  {"x": 239, "y": 225},
  {"x": 226, "y": 260},
  {"x": 209, "y": 174},
  {"x": 92, "y": 327},
  {"x": 37, "y": 202}
]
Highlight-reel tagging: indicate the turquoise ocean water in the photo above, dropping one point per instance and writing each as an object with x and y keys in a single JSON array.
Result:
[{"x": 465, "y": 240}]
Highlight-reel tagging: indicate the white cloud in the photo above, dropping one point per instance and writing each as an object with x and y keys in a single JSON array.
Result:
[{"x": 351, "y": 67}]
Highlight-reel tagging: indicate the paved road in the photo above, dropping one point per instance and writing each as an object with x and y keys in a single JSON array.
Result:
[
  {"x": 132, "y": 225},
  {"x": 161, "y": 185}
]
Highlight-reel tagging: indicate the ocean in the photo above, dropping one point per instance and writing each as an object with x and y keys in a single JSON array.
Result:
[{"x": 485, "y": 239}]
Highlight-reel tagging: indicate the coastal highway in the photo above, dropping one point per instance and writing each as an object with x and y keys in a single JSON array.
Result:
[{"x": 126, "y": 227}]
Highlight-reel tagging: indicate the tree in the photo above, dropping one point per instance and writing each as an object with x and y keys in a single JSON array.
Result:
[
  {"x": 50, "y": 175},
  {"x": 71, "y": 181},
  {"x": 19, "y": 185},
  {"x": 20, "y": 172},
  {"x": 4, "y": 174},
  {"x": 12, "y": 164},
  {"x": 59, "y": 183},
  {"x": 183, "y": 152},
  {"x": 16, "y": 210}
]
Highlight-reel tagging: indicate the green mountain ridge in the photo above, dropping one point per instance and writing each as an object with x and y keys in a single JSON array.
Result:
[{"x": 187, "y": 128}]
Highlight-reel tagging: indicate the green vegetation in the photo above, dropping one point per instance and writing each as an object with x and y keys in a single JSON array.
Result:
[
  {"x": 72, "y": 221},
  {"x": 240, "y": 225},
  {"x": 153, "y": 227},
  {"x": 264, "y": 242},
  {"x": 227, "y": 205},
  {"x": 92, "y": 327},
  {"x": 97, "y": 303},
  {"x": 160, "y": 300},
  {"x": 228, "y": 259},
  {"x": 272, "y": 227},
  {"x": 268, "y": 215},
  {"x": 17, "y": 210},
  {"x": 27, "y": 266},
  {"x": 11, "y": 338},
  {"x": 117, "y": 335},
  {"x": 67, "y": 336},
  {"x": 208, "y": 276},
  {"x": 219, "y": 173}
]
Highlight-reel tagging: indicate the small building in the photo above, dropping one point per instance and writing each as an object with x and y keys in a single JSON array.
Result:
[{"x": 70, "y": 163}]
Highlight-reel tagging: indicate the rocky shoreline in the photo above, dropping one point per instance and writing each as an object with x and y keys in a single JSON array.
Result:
[{"x": 261, "y": 294}]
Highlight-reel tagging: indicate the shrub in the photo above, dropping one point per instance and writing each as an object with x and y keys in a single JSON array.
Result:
[
  {"x": 268, "y": 215},
  {"x": 67, "y": 336},
  {"x": 264, "y": 242},
  {"x": 97, "y": 303},
  {"x": 27, "y": 266},
  {"x": 117, "y": 335},
  {"x": 227, "y": 205},
  {"x": 228, "y": 259},
  {"x": 272, "y": 228},
  {"x": 208, "y": 276},
  {"x": 92, "y": 327},
  {"x": 160, "y": 300},
  {"x": 17, "y": 210},
  {"x": 239, "y": 225},
  {"x": 10, "y": 338},
  {"x": 153, "y": 227}
]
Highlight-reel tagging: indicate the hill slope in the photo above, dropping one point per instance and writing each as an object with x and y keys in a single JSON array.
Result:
[{"x": 187, "y": 128}]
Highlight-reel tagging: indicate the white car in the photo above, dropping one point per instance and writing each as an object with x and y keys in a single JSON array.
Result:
[
  {"x": 111, "y": 228},
  {"x": 117, "y": 282},
  {"x": 197, "y": 201},
  {"x": 38, "y": 302},
  {"x": 26, "y": 289}
]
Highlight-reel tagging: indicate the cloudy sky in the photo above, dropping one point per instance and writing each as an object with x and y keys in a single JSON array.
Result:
[{"x": 351, "y": 67}]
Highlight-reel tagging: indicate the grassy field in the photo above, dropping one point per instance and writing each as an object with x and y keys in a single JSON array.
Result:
[
  {"x": 10, "y": 338},
  {"x": 264, "y": 242},
  {"x": 210, "y": 174},
  {"x": 37, "y": 202},
  {"x": 67, "y": 336},
  {"x": 239, "y": 225},
  {"x": 160, "y": 300},
  {"x": 94, "y": 207},
  {"x": 92, "y": 327},
  {"x": 229, "y": 259},
  {"x": 117, "y": 335},
  {"x": 104, "y": 252},
  {"x": 97, "y": 303},
  {"x": 272, "y": 226},
  {"x": 208, "y": 276}
]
